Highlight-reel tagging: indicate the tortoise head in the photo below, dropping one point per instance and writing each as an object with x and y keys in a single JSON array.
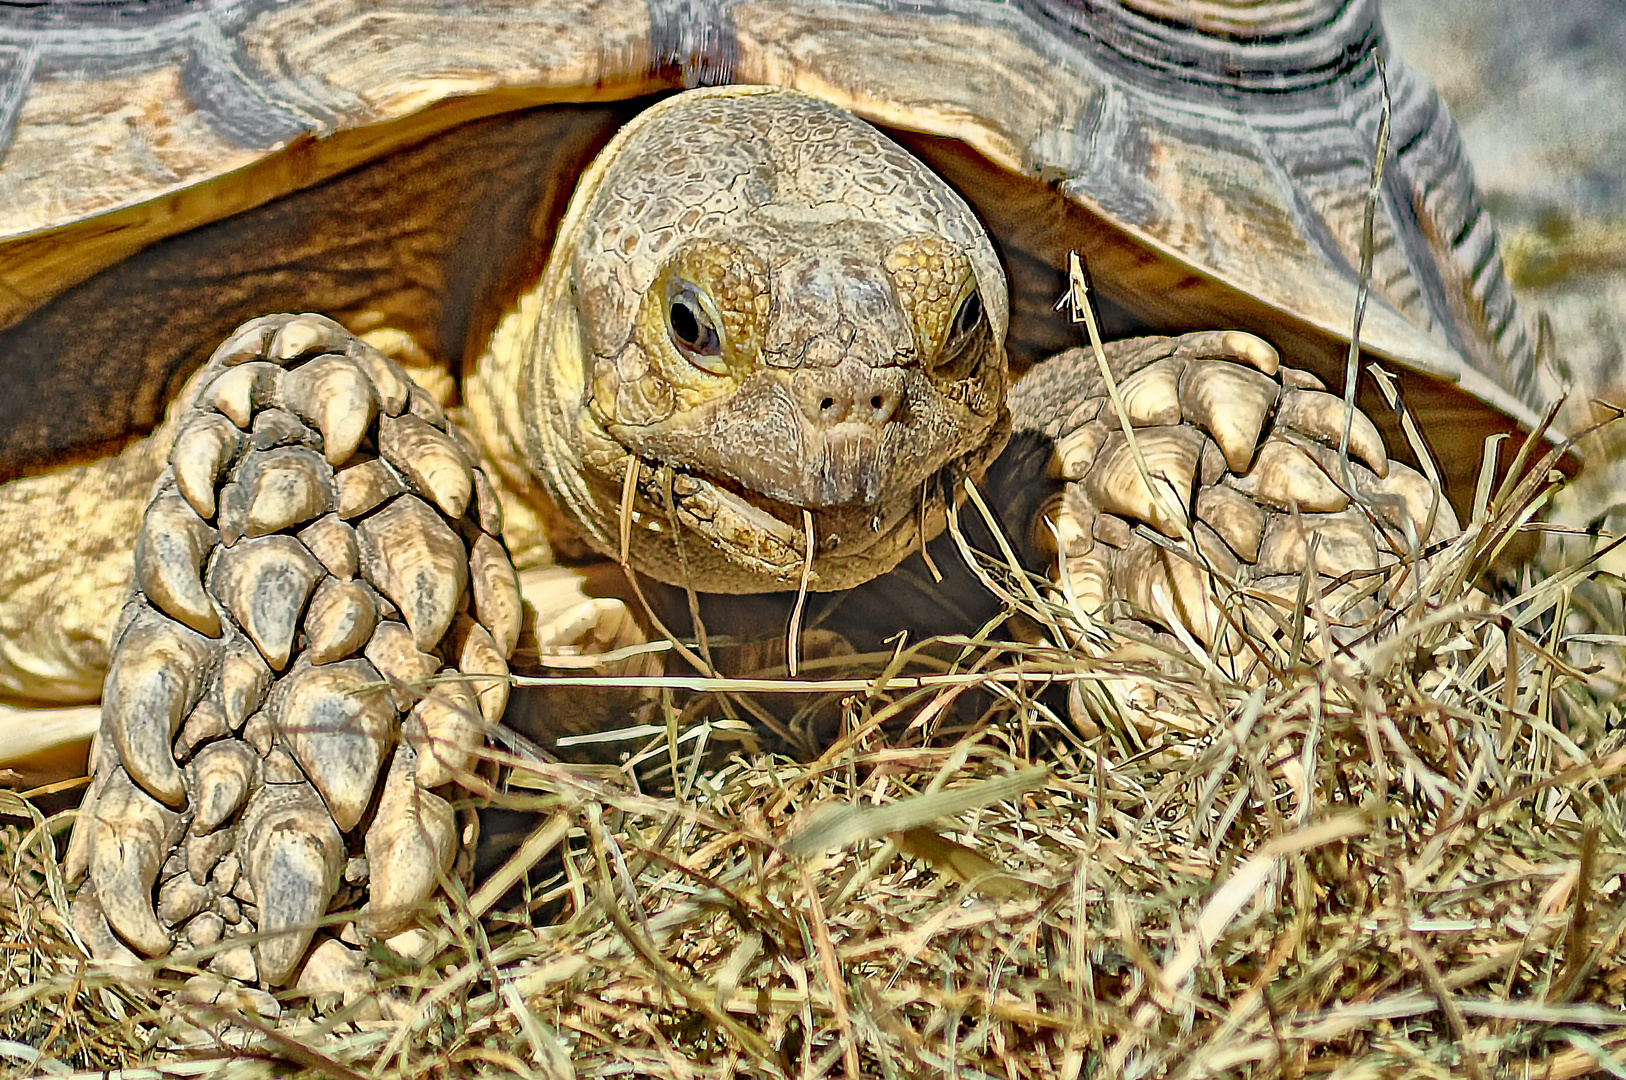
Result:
[{"x": 785, "y": 325}]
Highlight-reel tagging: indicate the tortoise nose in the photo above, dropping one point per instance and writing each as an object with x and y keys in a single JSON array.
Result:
[{"x": 872, "y": 399}]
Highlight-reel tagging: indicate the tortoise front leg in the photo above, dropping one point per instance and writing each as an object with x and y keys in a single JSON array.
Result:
[
  {"x": 1247, "y": 492},
  {"x": 320, "y": 533}
]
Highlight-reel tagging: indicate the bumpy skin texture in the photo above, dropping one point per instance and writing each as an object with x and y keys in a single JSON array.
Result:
[
  {"x": 755, "y": 323},
  {"x": 318, "y": 531},
  {"x": 1251, "y": 495},
  {"x": 855, "y": 367}
]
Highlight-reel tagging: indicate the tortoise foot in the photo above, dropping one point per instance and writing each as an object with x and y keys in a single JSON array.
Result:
[
  {"x": 270, "y": 751},
  {"x": 1247, "y": 493}
]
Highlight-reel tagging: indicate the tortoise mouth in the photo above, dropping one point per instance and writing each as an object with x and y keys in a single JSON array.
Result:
[
  {"x": 691, "y": 526},
  {"x": 769, "y": 537},
  {"x": 838, "y": 531}
]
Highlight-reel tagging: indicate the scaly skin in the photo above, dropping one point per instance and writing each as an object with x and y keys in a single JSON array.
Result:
[
  {"x": 840, "y": 386},
  {"x": 786, "y": 338},
  {"x": 54, "y": 626}
]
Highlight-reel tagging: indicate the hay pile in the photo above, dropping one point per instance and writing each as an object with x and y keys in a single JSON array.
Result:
[{"x": 1405, "y": 859}]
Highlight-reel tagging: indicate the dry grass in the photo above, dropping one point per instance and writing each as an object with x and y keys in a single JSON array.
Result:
[{"x": 1330, "y": 870}]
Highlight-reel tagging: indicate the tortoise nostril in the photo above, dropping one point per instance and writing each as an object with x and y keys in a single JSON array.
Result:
[
  {"x": 870, "y": 398},
  {"x": 884, "y": 405}
]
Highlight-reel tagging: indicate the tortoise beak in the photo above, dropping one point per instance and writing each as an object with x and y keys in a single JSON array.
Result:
[
  {"x": 848, "y": 411},
  {"x": 845, "y": 467}
]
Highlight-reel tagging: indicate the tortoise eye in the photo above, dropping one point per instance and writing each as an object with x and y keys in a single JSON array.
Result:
[
  {"x": 966, "y": 320},
  {"x": 959, "y": 353},
  {"x": 693, "y": 331}
]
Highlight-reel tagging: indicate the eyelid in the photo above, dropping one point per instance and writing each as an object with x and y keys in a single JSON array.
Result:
[
  {"x": 952, "y": 337},
  {"x": 958, "y": 355}
]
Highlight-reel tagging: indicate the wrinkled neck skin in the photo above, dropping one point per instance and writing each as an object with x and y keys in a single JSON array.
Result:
[{"x": 760, "y": 320}]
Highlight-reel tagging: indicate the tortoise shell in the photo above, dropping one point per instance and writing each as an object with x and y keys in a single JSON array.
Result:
[{"x": 168, "y": 169}]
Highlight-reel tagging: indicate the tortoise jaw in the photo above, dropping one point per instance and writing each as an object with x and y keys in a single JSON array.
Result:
[
  {"x": 845, "y": 468},
  {"x": 756, "y": 529},
  {"x": 768, "y": 537}
]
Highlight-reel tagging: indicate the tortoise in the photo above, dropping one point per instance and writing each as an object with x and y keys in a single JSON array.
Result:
[{"x": 765, "y": 344}]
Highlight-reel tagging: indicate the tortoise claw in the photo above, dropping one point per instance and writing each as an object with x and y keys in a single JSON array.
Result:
[
  {"x": 394, "y": 652},
  {"x": 282, "y": 487},
  {"x": 294, "y": 856},
  {"x": 364, "y": 486},
  {"x": 1236, "y": 518},
  {"x": 337, "y": 730},
  {"x": 131, "y": 834},
  {"x": 429, "y": 459},
  {"x": 76, "y": 859},
  {"x": 390, "y": 383},
  {"x": 496, "y": 592},
  {"x": 1344, "y": 543},
  {"x": 334, "y": 545},
  {"x": 1171, "y": 455},
  {"x": 250, "y": 342},
  {"x": 205, "y": 446},
  {"x": 1286, "y": 475},
  {"x": 1423, "y": 502},
  {"x": 446, "y": 730},
  {"x": 409, "y": 844},
  {"x": 237, "y": 392},
  {"x": 222, "y": 773},
  {"x": 1231, "y": 403},
  {"x": 1232, "y": 345},
  {"x": 1320, "y": 416},
  {"x": 1166, "y": 586},
  {"x": 90, "y": 923},
  {"x": 306, "y": 335},
  {"x": 264, "y": 584},
  {"x": 411, "y": 556},
  {"x": 1151, "y": 396},
  {"x": 244, "y": 680},
  {"x": 341, "y": 619},
  {"x": 152, "y": 684},
  {"x": 477, "y": 653},
  {"x": 335, "y": 395},
  {"x": 169, "y": 558}
]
